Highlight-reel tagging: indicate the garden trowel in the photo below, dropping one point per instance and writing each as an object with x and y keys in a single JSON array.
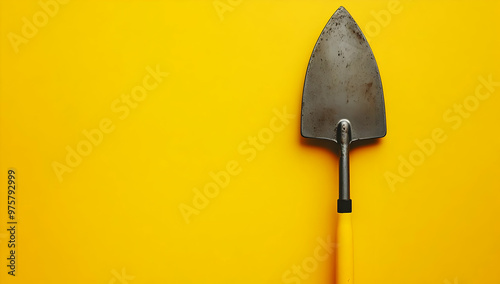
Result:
[{"x": 343, "y": 102}]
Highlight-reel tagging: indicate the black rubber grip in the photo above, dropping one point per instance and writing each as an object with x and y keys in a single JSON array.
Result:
[{"x": 344, "y": 206}]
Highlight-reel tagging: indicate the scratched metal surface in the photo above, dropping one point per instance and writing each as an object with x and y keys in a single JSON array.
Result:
[{"x": 342, "y": 82}]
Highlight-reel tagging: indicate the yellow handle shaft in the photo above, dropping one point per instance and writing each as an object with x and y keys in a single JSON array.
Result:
[{"x": 345, "y": 260}]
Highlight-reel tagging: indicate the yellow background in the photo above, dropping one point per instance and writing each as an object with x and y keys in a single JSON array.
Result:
[{"x": 117, "y": 213}]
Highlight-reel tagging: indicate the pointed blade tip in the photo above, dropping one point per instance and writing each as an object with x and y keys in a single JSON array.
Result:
[
  {"x": 341, "y": 16},
  {"x": 341, "y": 10}
]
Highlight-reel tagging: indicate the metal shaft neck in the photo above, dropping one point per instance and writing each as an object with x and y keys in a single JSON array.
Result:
[{"x": 344, "y": 203}]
